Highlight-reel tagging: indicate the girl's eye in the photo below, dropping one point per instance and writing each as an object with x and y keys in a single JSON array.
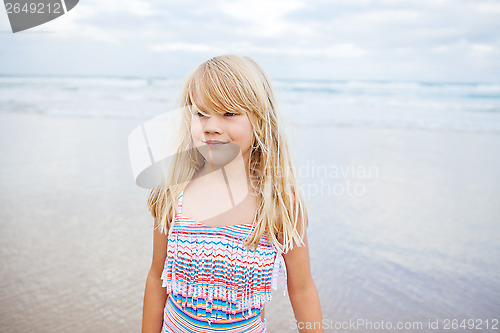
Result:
[
  {"x": 229, "y": 114},
  {"x": 199, "y": 114}
]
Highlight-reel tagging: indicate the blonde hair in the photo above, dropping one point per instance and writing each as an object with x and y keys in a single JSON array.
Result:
[{"x": 231, "y": 83}]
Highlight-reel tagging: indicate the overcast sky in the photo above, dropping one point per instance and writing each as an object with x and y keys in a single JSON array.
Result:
[{"x": 424, "y": 40}]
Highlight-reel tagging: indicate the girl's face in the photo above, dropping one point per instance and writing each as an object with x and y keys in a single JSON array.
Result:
[{"x": 233, "y": 131}]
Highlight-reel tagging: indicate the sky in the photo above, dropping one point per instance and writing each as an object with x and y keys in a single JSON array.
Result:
[{"x": 424, "y": 40}]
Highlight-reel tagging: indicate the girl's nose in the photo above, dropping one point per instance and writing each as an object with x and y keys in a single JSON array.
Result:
[{"x": 211, "y": 125}]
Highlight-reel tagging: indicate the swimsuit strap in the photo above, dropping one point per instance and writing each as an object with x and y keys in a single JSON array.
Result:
[
  {"x": 179, "y": 211},
  {"x": 179, "y": 203}
]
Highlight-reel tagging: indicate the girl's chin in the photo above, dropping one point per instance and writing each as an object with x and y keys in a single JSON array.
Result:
[{"x": 219, "y": 154}]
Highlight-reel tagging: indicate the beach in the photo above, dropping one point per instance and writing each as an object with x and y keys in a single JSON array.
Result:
[{"x": 403, "y": 220}]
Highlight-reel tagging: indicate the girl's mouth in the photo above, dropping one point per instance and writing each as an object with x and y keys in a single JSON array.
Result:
[{"x": 215, "y": 143}]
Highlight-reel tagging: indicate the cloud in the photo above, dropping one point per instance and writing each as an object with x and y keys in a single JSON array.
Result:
[
  {"x": 184, "y": 47},
  {"x": 462, "y": 47},
  {"x": 387, "y": 17},
  {"x": 357, "y": 38},
  {"x": 265, "y": 19},
  {"x": 482, "y": 49},
  {"x": 489, "y": 7},
  {"x": 333, "y": 51}
]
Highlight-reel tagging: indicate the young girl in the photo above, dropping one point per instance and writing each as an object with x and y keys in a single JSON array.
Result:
[{"x": 228, "y": 217}]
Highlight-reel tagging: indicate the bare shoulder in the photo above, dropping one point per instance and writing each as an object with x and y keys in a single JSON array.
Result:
[
  {"x": 297, "y": 259},
  {"x": 298, "y": 267}
]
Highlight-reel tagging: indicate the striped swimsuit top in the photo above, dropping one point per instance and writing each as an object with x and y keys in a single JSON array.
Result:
[{"x": 211, "y": 275}]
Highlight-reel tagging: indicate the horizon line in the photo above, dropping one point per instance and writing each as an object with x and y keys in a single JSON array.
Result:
[{"x": 149, "y": 77}]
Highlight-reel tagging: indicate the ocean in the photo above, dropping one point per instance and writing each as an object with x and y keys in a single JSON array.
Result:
[{"x": 470, "y": 107}]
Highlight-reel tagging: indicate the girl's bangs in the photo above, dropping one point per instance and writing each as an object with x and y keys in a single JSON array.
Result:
[{"x": 214, "y": 93}]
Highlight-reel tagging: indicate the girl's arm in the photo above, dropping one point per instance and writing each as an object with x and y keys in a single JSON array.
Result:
[
  {"x": 302, "y": 289},
  {"x": 155, "y": 295}
]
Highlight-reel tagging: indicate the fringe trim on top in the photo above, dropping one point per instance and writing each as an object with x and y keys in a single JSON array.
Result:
[
  {"x": 220, "y": 285},
  {"x": 279, "y": 273}
]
